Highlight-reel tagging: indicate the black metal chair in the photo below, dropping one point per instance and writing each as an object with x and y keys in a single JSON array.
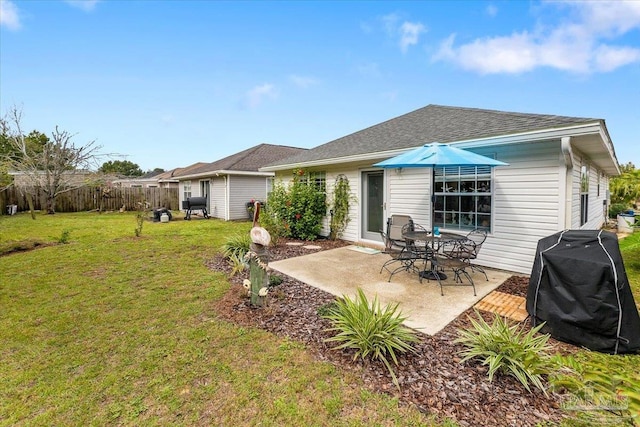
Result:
[
  {"x": 452, "y": 256},
  {"x": 471, "y": 246},
  {"x": 395, "y": 245}
]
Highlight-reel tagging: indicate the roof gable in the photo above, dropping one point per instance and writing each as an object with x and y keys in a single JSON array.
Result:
[{"x": 249, "y": 160}]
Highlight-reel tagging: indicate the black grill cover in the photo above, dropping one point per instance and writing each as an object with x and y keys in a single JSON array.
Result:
[{"x": 579, "y": 287}]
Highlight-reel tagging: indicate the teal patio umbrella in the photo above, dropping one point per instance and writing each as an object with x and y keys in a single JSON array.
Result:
[{"x": 437, "y": 155}]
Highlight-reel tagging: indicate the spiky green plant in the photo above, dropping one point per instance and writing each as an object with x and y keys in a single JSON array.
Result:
[
  {"x": 237, "y": 244},
  {"x": 238, "y": 264},
  {"x": 507, "y": 349},
  {"x": 372, "y": 331},
  {"x": 605, "y": 384}
]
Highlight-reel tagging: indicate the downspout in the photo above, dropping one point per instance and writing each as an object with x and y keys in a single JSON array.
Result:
[
  {"x": 226, "y": 198},
  {"x": 565, "y": 147}
]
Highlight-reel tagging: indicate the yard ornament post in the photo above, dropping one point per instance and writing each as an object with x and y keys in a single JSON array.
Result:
[{"x": 258, "y": 257}]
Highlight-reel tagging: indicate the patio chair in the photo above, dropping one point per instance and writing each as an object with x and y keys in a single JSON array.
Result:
[
  {"x": 395, "y": 245},
  {"x": 454, "y": 261},
  {"x": 392, "y": 237},
  {"x": 470, "y": 248}
]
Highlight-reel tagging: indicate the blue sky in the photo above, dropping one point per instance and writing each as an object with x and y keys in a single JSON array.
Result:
[{"x": 171, "y": 83}]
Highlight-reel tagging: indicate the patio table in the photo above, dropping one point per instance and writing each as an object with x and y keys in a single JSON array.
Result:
[{"x": 433, "y": 245}]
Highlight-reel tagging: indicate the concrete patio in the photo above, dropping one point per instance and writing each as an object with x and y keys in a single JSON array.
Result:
[{"x": 342, "y": 271}]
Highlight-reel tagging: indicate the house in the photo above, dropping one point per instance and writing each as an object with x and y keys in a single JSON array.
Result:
[
  {"x": 153, "y": 179},
  {"x": 230, "y": 183},
  {"x": 557, "y": 178}
]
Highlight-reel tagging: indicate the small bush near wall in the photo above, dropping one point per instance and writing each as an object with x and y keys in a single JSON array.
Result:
[{"x": 299, "y": 207}]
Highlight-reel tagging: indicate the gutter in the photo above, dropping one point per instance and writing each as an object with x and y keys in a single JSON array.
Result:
[
  {"x": 223, "y": 172},
  {"x": 565, "y": 146}
]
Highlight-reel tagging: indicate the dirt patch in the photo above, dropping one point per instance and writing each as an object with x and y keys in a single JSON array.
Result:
[
  {"x": 23, "y": 246},
  {"x": 432, "y": 379}
]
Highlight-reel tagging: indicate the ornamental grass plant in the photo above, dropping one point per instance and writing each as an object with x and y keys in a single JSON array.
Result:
[
  {"x": 372, "y": 331},
  {"x": 507, "y": 349}
]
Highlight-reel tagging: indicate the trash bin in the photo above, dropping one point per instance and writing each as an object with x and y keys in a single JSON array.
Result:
[
  {"x": 626, "y": 221},
  {"x": 12, "y": 209}
]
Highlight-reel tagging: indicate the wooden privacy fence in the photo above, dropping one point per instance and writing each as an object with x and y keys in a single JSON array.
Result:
[{"x": 92, "y": 198}]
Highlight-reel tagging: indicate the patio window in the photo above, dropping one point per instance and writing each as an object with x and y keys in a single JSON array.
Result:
[
  {"x": 186, "y": 190},
  {"x": 463, "y": 198},
  {"x": 584, "y": 194}
]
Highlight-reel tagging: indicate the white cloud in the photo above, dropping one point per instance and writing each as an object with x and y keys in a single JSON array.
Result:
[
  {"x": 579, "y": 44},
  {"x": 302, "y": 81},
  {"x": 9, "y": 15},
  {"x": 609, "y": 58},
  {"x": 255, "y": 96},
  {"x": 409, "y": 34},
  {"x": 86, "y": 5}
]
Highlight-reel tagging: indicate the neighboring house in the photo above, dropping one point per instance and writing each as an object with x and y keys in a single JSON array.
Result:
[
  {"x": 152, "y": 179},
  {"x": 230, "y": 183},
  {"x": 557, "y": 178}
]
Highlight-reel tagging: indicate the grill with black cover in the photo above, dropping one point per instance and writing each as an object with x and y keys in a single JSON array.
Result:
[{"x": 579, "y": 287}]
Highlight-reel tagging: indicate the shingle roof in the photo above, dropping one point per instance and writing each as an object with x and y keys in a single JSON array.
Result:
[
  {"x": 433, "y": 123},
  {"x": 249, "y": 160}
]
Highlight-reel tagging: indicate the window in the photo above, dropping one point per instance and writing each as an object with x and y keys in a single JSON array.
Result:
[
  {"x": 584, "y": 194},
  {"x": 464, "y": 197},
  {"x": 270, "y": 183},
  {"x": 186, "y": 190},
  {"x": 318, "y": 180}
]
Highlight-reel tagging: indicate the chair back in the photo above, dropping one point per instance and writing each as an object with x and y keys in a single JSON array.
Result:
[
  {"x": 478, "y": 237},
  {"x": 392, "y": 237},
  {"x": 395, "y": 224}
]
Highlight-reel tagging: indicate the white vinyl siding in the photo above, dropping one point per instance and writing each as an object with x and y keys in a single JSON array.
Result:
[
  {"x": 525, "y": 201},
  {"x": 408, "y": 193},
  {"x": 218, "y": 197},
  {"x": 531, "y": 199},
  {"x": 241, "y": 190},
  {"x": 526, "y": 204}
]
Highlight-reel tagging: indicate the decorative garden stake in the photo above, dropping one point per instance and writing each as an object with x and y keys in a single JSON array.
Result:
[{"x": 258, "y": 258}]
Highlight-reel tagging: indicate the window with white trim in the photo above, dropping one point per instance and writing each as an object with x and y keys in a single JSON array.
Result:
[
  {"x": 186, "y": 190},
  {"x": 463, "y": 198},
  {"x": 317, "y": 179},
  {"x": 584, "y": 194}
]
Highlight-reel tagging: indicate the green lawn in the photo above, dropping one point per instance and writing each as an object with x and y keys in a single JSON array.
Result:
[{"x": 118, "y": 330}]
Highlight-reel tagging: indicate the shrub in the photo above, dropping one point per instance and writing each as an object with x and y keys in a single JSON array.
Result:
[
  {"x": 340, "y": 207},
  {"x": 616, "y": 208},
  {"x": 507, "y": 349},
  {"x": 370, "y": 330},
  {"x": 274, "y": 280},
  {"x": 298, "y": 208},
  {"x": 237, "y": 245},
  {"x": 270, "y": 222}
]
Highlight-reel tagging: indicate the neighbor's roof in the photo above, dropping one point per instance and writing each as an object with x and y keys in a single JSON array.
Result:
[
  {"x": 433, "y": 123},
  {"x": 249, "y": 160}
]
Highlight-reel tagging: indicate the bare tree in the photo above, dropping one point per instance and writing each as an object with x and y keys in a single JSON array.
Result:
[{"x": 54, "y": 166}]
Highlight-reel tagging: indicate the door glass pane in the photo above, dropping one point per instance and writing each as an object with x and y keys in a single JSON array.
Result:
[{"x": 374, "y": 202}]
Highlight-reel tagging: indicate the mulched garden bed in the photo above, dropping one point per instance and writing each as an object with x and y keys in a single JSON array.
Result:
[{"x": 432, "y": 379}]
